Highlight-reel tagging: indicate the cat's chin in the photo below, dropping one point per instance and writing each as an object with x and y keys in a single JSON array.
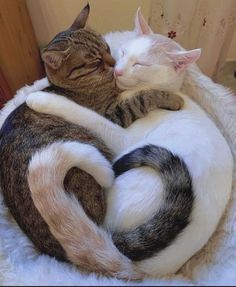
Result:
[{"x": 126, "y": 85}]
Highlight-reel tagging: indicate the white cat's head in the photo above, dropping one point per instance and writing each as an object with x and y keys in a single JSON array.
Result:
[{"x": 152, "y": 60}]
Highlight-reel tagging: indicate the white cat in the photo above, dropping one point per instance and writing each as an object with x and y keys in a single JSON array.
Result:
[{"x": 150, "y": 60}]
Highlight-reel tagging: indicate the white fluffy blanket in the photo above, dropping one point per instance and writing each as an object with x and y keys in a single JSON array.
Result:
[{"x": 215, "y": 264}]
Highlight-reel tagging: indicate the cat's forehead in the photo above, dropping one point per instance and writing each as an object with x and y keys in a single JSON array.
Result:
[
  {"x": 83, "y": 38},
  {"x": 145, "y": 44},
  {"x": 138, "y": 46}
]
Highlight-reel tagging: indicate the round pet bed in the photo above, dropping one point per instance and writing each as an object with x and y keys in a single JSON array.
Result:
[{"x": 215, "y": 264}]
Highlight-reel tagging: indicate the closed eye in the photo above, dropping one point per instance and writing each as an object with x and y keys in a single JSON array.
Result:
[
  {"x": 141, "y": 64},
  {"x": 75, "y": 69},
  {"x": 96, "y": 63},
  {"x": 88, "y": 69}
]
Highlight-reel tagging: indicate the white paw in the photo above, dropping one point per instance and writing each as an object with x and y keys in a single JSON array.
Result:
[
  {"x": 105, "y": 176},
  {"x": 102, "y": 171},
  {"x": 39, "y": 101},
  {"x": 100, "y": 168},
  {"x": 90, "y": 159}
]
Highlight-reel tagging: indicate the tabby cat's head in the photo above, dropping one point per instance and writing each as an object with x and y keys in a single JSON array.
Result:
[{"x": 78, "y": 58}]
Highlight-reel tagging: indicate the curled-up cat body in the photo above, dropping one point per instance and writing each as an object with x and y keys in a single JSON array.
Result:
[
  {"x": 140, "y": 202},
  {"x": 79, "y": 66}
]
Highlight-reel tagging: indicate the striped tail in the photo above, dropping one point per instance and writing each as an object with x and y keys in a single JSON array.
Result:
[{"x": 173, "y": 216}]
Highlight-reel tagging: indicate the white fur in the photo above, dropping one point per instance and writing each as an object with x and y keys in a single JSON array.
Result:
[
  {"x": 188, "y": 133},
  {"x": 117, "y": 39},
  {"x": 83, "y": 156},
  {"x": 214, "y": 265}
]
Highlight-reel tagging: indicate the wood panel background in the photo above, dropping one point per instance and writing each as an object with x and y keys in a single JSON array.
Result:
[
  {"x": 51, "y": 16},
  {"x": 19, "y": 54},
  {"x": 5, "y": 92}
]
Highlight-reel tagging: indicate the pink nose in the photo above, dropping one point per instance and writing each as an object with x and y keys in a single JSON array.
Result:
[{"x": 118, "y": 73}]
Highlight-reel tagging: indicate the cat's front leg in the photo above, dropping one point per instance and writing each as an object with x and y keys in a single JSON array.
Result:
[
  {"x": 115, "y": 137},
  {"x": 138, "y": 104},
  {"x": 153, "y": 98},
  {"x": 45, "y": 103}
]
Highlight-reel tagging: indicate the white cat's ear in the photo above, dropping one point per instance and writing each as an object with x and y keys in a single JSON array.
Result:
[
  {"x": 54, "y": 59},
  {"x": 182, "y": 59},
  {"x": 141, "y": 25}
]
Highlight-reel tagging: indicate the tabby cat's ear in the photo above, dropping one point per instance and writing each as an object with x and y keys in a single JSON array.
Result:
[
  {"x": 182, "y": 59},
  {"x": 81, "y": 19},
  {"x": 141, "y": 26},
  {"x": 54, "y": 59}
]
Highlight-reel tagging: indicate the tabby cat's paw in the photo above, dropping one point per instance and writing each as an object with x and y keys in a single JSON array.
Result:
[{"x": 175, "y": 102}]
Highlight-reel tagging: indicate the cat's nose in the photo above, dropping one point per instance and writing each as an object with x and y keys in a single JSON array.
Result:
[{"x": 118, "y": 72}]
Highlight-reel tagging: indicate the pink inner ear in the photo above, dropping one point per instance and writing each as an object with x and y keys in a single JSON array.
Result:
[
  {"x": 141, "y": 25},
  {"x": 182, "y": 59}
]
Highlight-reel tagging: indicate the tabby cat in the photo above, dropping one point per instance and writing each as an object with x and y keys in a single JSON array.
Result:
[{"x": 79, "y": 66}]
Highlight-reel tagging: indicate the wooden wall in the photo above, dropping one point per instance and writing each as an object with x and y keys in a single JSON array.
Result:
[
  {"x": 19, "y": 54},
  {"x": 5, "y": 92},
  {"x": 51, "y": 16}
]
